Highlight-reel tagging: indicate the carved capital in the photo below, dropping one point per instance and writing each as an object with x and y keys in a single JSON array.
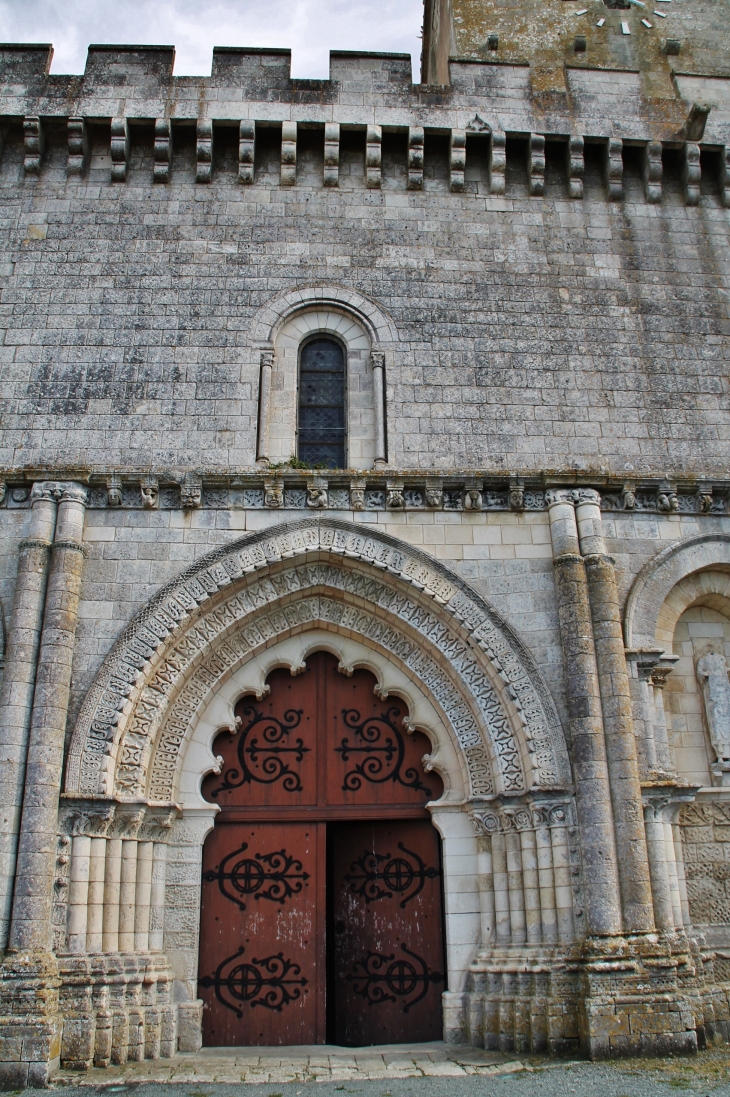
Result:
[
  {"x": 90, "y": 818},
  {"x": 74, "y": 493},
  {"x": 128, "y": 819},
  {"x": 559, "y": 496},
  {"x": 48, "y": 490},
  {"x": 586, "y": 495},
  {"x": 267, "y": 359},
  {"x": 157, "y": 823}
]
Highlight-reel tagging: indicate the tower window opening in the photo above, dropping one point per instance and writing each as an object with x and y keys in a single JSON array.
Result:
[{"x": 321, "y": 426}]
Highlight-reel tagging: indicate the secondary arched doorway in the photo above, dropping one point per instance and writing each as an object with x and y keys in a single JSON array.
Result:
[{"x": 321, "y": 913}]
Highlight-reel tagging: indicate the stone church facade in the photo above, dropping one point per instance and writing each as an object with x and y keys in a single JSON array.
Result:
[{"x": 428, "y": 377}]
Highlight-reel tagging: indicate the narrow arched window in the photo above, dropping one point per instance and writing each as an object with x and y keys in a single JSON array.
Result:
[{"x": 322, "y": 435}]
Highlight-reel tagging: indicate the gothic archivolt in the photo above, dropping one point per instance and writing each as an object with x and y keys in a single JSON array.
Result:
[{"x": 244, "y": 597}]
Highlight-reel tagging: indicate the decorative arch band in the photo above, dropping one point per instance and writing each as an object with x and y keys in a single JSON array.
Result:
[{"x": 132, "y": 728}]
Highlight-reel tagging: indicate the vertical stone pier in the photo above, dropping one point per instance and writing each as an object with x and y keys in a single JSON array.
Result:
[{"x": 30, "y": 1021}]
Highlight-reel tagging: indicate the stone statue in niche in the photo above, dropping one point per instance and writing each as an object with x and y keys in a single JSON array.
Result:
[{"x": 713, "y": 678}]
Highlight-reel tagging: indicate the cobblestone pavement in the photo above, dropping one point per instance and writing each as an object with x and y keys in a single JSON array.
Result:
[{"x": 304, "y": 1064}]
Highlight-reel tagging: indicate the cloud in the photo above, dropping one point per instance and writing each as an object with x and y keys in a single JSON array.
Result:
[{"x": 310, "y": 28}]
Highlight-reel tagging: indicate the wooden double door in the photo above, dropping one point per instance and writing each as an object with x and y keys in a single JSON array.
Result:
[{"x": 321, "y": 915}]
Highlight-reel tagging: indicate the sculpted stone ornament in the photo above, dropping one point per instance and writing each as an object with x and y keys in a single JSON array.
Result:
[
  {"x": 516, "y": 498},
  {"x": 713, "y": 679},
  {"x": 628, "y": 498},
  {"x": 3, "y": 489},
  {"x": 396, "y": 500},
  {"x": 472, "y": 499},
  {"x": 150, "y": 493},
  {"x": 317, "y": 495},
  {"x": 273, "y": 493},
  {"x": 704, "y": 502},
  {"x": 667, "y": 502},
  {"x": 434, "y": 497},
  {"x": 357, "y": 494},
  {"x": 191, "y": 491},
  {"x": 114, "y": 491},
  {"x": 45, "y": 489}
]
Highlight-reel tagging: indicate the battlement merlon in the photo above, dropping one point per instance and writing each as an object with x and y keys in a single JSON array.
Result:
[{"x": 137, "y": 83}]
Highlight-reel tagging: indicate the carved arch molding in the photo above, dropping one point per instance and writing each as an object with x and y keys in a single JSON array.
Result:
[
  {"x": 670, "y": 582},
  {"x": 132, "y": 731}
]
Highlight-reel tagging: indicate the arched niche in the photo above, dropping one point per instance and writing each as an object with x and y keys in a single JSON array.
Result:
[
  {"x": 680, "y": 605},
  {"x": 368, "y": 338}
]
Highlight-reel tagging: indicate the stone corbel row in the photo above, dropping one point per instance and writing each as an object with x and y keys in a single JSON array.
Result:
[
  {"x": 78, "y": 157},
  {"x": 111, "y": 865},
  {"x": 529, "y": 866}
]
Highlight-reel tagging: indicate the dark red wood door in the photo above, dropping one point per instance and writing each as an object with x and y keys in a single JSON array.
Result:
[
  {"x": 261, "y": 944},
  {"x": 320, "y": 751},
  {"x": 387, "y": 967}
]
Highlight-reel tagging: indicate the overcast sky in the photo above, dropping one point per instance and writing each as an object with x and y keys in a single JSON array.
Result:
[{"x": 310, "y": 28}]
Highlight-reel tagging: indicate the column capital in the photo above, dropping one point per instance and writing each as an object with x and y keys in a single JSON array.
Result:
[
  {"x": 587, "y": 496},
  {"x": 58, "y": 491},
  {"x": 559, "y": 496}
]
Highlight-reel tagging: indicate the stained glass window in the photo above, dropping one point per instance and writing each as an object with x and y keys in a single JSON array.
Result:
[{"x": 322, "y": 433}]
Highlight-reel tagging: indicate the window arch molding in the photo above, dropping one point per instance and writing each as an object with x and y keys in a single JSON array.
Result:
[{"x": 367, "y": 336}]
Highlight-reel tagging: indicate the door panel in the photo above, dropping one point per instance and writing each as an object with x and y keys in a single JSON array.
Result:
[
  {"x": 371, "y": 758},
  {"x": 321, "y": 739},
  {"x": 386, "y": 948},
  {"x": 289, "y": 939},
  {"x": 262, "y": 943},
  {"x": 271, "y": 757}
]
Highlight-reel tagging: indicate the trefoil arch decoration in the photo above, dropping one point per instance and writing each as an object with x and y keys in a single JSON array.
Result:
[{"x": 236, "y": 601}]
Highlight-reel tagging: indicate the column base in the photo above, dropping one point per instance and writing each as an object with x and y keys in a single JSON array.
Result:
[
  {"x": 31, "y": 1023},
  {"x": 606, "y": 998},
  {"x": 117, "y": 1008},
  {"x": 634, "y": 1003}
]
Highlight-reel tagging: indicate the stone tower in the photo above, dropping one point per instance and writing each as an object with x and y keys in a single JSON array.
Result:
[{"x": 431, "y": 378}]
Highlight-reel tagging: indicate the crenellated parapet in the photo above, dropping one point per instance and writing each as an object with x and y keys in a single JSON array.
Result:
[{"x": 126, "y": 89}]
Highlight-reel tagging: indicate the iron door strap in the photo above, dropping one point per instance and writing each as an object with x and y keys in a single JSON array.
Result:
[{"x": 276, "y": 876}]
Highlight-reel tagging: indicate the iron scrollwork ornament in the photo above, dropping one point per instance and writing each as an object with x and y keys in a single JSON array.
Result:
[
  {"x": 262, "y": 759},
  {"x": 275, "y": 876},
  {"x": 380, "y": 741},
  {"x": 378, "y": 876},
  {"x": 272, "y": 982},
  {"x": 379, "y": 978}
]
